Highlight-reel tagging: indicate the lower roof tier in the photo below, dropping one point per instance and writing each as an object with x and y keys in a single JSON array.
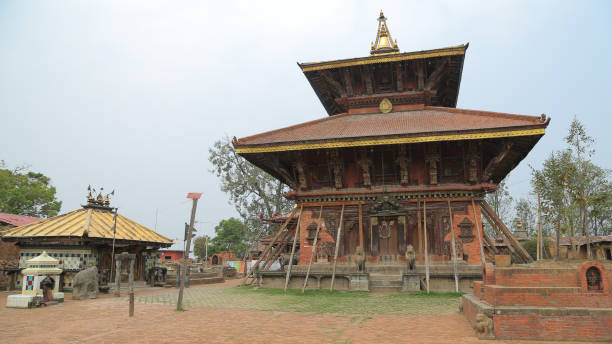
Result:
[{"x": 420, "y": 124}]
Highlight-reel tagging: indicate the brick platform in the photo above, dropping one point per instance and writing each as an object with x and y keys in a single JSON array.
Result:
[{"x": 543, "y": 303}]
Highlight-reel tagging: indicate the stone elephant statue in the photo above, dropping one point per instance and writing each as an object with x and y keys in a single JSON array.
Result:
[{"x": 85, "y": 284}]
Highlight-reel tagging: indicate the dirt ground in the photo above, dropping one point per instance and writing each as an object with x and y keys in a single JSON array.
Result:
[{"x": 105, "y": 320}]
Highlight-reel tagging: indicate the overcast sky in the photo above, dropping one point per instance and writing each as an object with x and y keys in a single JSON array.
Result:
[{"x": 129, "y": 95}]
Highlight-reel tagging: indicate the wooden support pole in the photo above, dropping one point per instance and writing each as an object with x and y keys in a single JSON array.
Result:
[
  {"x": 179, "y": 302},
  {"x": 131, "y": 281},
  {"x": 420, "y": 230},
  {"x": 331, "y": 288},
  {"x": 314, "y": 249},
  {"x": 454, "y": 247},
  {"x": 479, "y": 234},
  {"x": 522, "y": 253},
  {"x": 297, "y": 232},
  {"x": 265, "y": 252},
  {"x": 361, "y": 229},
  {"x": 426, "y": 249}
]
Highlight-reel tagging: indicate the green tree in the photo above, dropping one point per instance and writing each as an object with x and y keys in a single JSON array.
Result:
[
  {"x": 23, "y": 192},
  {"x": 501, "y": 202},
  {"x": 199, "y": 247},
  {"x": 524, "y": 210},
  {"x": 253, "y": 192},
  {"x": 230, "y": 235}
]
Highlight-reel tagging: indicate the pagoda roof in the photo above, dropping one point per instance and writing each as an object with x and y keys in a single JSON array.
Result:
[
  {"x": 457, "y": 50},
  {"x": 422, "y": 124},
  {"x": 87, "y": 223}
]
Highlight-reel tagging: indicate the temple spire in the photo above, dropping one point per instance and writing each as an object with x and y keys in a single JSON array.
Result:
[{"x": 384, "y": 44}]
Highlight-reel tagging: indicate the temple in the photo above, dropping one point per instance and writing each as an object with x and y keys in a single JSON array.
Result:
[
  {"x": 87, "y": 237},
  {"x": 395, "y": 166}
]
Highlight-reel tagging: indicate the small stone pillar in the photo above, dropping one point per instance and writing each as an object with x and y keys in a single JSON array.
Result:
[{"x": 119, "y": 258}]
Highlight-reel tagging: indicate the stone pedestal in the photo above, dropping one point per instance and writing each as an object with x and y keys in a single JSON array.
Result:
[
  {"x": 411, "y": 282},
  {"x": 19, "y": 301},
  {"x": 359, "y": 281}
]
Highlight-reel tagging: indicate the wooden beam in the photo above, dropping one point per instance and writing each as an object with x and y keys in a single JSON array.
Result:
[
  {"x": 348, "y": 81},
  {"x": 366, "y": 76},
  {"x": 420, "y": 229},
  {"x": 331, "y": 204},
  {"x": 314, "y": 248},
  {"x": 325, "y": 74},
  {"x": 519, "y": 248},
  {"x": 399, "y": 77},
  {"x": 488, "y": 172},
  {"x": 420, "y": 73},
  {"x": 478, "y": 234},
  {"x": 437, "y": 74},
  {"x": 271, "y": 243},
  {"x": 426, "y": 249},
  {"x": 454, "y": 248},
  {"x": 297, "y": 232},
  {"x": 361, "y": 229},
  {"x": 331, "y": 288}
]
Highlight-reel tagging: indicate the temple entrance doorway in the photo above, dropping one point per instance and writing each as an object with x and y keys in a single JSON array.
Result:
[{"x": 388, "y": 235}]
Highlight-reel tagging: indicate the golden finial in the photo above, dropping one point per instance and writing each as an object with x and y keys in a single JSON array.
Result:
[{"x": 384, "y": 43}]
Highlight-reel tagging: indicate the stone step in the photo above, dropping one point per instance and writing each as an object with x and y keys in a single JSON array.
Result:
[
  {"x": 386, "y": 283},
  {"x": 385, "y": 277},
  {"x": 386, "y": 289}
]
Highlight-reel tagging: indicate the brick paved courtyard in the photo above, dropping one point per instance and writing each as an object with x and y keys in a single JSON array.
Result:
[{"x": 222, "y": 314}]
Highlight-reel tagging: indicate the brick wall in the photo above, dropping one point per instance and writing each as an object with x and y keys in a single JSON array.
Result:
[
  {"x": 536, "y": 277},
  {"x": 524, "y": 326}
]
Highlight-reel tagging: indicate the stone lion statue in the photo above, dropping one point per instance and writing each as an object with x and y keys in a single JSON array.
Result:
[
  {"x": 484, "y": 326},
  {"x": 359, "y": 258},
  {"x": 85, "y": 284},
  {"x": 410, "y": 257}
]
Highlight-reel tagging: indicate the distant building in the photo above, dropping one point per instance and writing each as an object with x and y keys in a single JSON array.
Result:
[
  {"x": 9, "y": 252},
  {"x": 172, "y": 255}
]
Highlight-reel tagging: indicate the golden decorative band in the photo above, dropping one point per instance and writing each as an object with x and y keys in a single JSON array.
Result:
[
  {"x": 393, "y": 141},
  {"x": 388, "y": 58}
]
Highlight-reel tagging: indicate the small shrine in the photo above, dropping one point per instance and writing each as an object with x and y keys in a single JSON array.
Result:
[{"x": 40, "y": 283}]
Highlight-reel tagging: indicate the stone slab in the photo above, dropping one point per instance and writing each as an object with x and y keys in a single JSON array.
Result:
[{"x": 19, "y": 301}]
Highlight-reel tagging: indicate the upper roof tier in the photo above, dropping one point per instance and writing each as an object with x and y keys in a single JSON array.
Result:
[
  {"x": 346, "y": 85},
  {"x": 420, "y": 124}
]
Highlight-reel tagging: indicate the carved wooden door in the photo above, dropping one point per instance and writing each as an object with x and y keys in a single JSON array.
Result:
[{"x": 388, "y": 235}]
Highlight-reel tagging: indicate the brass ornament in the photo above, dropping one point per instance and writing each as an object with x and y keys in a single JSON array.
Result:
[{"x": 385, "y": 106}]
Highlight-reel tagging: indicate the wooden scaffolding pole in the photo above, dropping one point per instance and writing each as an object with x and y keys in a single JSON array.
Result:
[
  {"x": 361, "y": 229},
  {"x": 265, "y": 252},
  {"x": 426, "y": 249},
  {"x": 479, "y": 234},
  {"x": 521, "y": 252},
  {"x": 331, "y": 288},
  {"x": 454, "y": 247},
  {"x": 314, "y": 249},
  {"x": 297, "y": 231}
]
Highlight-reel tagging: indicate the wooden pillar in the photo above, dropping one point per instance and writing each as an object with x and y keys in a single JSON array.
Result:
[
  {"x": 117, "y": 277},
  {"x": 419, "y": 230},
  {"x": 478, "y": 234},
  {"x": 454, "y": 248},
  {"x": 297, "y": 231},
  {"x": 314, "y": 248},
  {"x": 426, "y": 250},
  {"x": 131, "y": 280},
  {"x": 331, "y": 288},
  {"x": 361, "y": 229}
]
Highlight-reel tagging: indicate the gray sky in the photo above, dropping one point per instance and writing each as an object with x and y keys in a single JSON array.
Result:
[{"x": 131, "y": 94}]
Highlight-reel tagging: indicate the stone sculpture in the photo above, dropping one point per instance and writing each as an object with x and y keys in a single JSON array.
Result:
[
  {"x": 410, "y": 257},
  {"x": 484, "y": 326},
  {"x": 85, "y": 284},
  {"x": 284, "y": 260},
  {"x": 359, "y": 259}
]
